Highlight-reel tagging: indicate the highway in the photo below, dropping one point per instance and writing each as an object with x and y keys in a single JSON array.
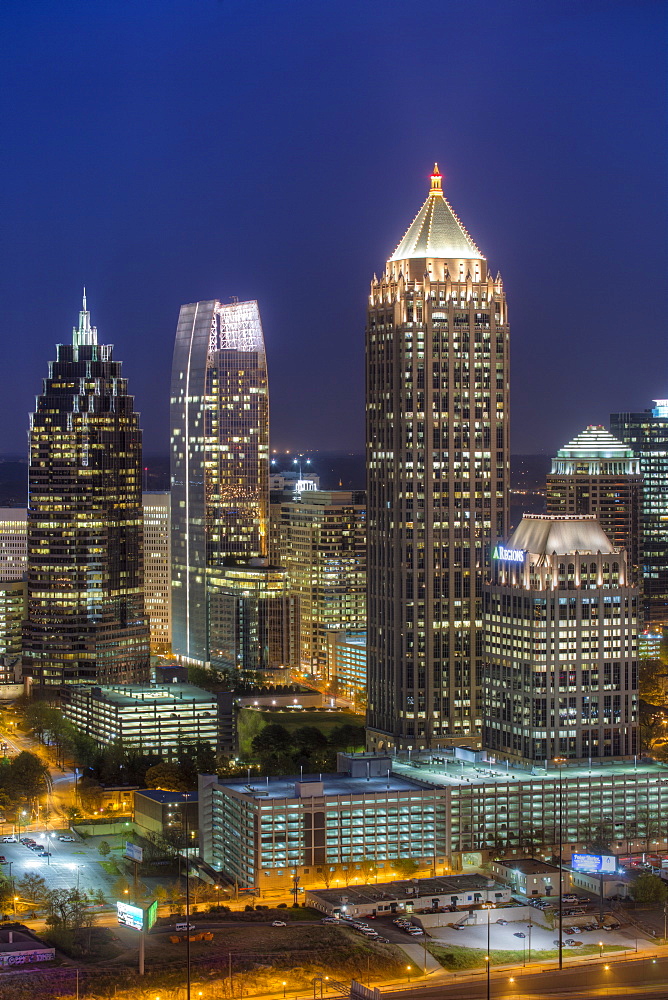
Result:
[{"x": 641, "y": 978}]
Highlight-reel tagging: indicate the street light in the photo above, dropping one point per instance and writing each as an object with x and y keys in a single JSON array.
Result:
[
  {"x": 600, "y": 949},
  {"x": 408, "y": 970},
  {"x": 559, "y": 761}
]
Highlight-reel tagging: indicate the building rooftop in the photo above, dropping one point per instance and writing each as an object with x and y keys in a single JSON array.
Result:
[
  {"x": 436, "y": 231},
  {"x": 543, "y": 535},
  {"x": 438, "y": 768},
  {"x": 321, "y": 785},
  {"x": 595, "y": 442},
  {"x": 529, "y": 866},
  {"x": 158, "y": 795},
  {"x": 132, "y": 694},
  {"x": 405, "y": 889}
]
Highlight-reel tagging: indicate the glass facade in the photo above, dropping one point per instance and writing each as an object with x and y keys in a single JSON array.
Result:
[
  {"x": 647, "y": 435},
  {"x": 85, "y": 619},
  {"x": 219, "y": 457}
]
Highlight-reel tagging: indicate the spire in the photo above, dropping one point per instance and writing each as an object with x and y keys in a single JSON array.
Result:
[
  {"x": 436, "y": 231},
  {"x": 86, "y": 334},
  {"x": 436, "y": 181}
]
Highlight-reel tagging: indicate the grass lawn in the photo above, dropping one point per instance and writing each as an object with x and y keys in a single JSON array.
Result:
[
  {"x": 110, "y": 866},
  {"x": 456, "y": 957}
]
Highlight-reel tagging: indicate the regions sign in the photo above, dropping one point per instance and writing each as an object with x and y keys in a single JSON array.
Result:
[
  {"x": 595, "y": 864},
  {"x": 508, "y": 555},
  {"x": 130, "y": 916},
  {"x": 133, "y": 853}
]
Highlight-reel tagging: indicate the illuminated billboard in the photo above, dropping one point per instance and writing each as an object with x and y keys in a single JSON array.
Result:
[
  {"x": 596, "y": 864},
  {"x": 133, "y": 853},
  {"x": 130, "y": 916}
]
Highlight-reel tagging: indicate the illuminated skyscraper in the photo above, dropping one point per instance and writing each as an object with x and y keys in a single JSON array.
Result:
[
  {"x": 158, "y": 569},
  {"x": 597, "y": 474},
  {"x": 647, "y": 434},
  {"x": 438, "y": 477},
  {"x": 86, "y": 618},
  {"x": 219, "y": 458}
]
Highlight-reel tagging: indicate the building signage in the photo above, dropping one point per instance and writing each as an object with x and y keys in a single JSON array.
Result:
[
  {"x": 130, "y": 916},
  {"x": 508, "y": 555},
  {"x": 597, "y": 864},
  {"x": 133, "y": 853}
]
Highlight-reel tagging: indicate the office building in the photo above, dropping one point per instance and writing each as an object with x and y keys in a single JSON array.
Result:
[
  {"x": 155, "y": 718},
  {"x": 646, "y": 434},
  {"x": 158, "y": 569},
  {"x": 251, "y": 621},
  {"x": 163, "y": 814},
  {"x": 561, "y": 662},
  {"x": 86, "y": 619},
  {"x": 219, "y": 457},
  {"x": 322, "y": 545},
  {"x": 597, "y": 474},
  {"x": 13, "y": 543},
  {"x": 346, "y": 664},
  {"x": 437, "y": 378},
  {"x": 13, "y": 603}
]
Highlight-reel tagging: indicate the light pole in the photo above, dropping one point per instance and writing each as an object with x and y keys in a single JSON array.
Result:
[
  {"x": 559, "y": 761},
  {"x": 489, "y": 955}
]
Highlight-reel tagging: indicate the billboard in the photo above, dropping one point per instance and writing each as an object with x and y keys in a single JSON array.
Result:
[
  {"x": 130, "y": 916},
  {"x": 597, "y": 864},
  {"x": 133, "y": 853},
  {"x": 150, "y": 915}
]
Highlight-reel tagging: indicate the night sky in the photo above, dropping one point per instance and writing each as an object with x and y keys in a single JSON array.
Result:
[{"x": 168, "y": 151}]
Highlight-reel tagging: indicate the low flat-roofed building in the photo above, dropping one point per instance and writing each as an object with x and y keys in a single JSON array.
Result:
[
  {"x": 529, "y": 876},
  {"x": 407, "y": 895},
  {"x": 614, "y": 884},
  {"x": 19, "y": 946},
  {"x": 153, "y": 717},
  {"x": 164, "y": 813},
  {"x": 346, "y": 663}
]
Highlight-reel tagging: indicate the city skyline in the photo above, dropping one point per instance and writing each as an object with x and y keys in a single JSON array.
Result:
[{"x": 298, "y": 190}]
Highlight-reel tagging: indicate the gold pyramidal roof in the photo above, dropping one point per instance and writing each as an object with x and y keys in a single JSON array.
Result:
[{"x": 436, "y": 230}]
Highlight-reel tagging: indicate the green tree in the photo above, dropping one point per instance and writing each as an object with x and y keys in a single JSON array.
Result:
[
  {"x": 104, "y": 848},
  {"x": 273, "y": 741},
  {"x": 26, "y": 776},
  {"x": 67, "y": 909},
  {"x": 307, "y": 741},
  {"x": 406, "y": 867},
  {"x": 649, "y": 890},
  {"x": 348, "y": 737},
  {"x": 652, "y": 681},
  {"x": 90, "y": 793},
  {"x": 167, "y": 777}
]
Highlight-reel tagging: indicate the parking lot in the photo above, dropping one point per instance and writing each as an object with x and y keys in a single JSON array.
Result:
[
  {"x": 503, "y": 937},
  {"x": 69, "y": 865}
]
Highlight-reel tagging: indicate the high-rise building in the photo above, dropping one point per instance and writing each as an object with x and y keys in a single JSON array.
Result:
[
  {"x": 85, "y": 619},
  {"x": 158, "y": 569},
  {"x": 597, "y": 474},
  {"x": 251, "y": 621},
  {"x": 322, "y": 545},
  {"x": 560, "y": 621},
  {"x": 219, "y": 457},
  {"x": 437, "y": 379},
  {"x": 647, "y": 434},
  {"x": 13, "y": 543}
]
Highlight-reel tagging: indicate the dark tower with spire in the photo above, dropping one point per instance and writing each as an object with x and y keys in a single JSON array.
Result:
[
  {"x": 437, "y": 476},
  {"x": 86, "y": 619}
]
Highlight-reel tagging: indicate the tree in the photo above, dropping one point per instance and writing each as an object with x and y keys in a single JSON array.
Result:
[
  {"x": 67, "y": 909},
  {"x": 347, "y": 737},
  {"x": 90, "y": 793},
  {"x": 32, "y": 888},
  {"x": 104, "y": 848},
  {"x": 649, "y": 890},
  {"x": 327, "y": 873},
  {"x": 406, "y": 867},
  {"x": 307, "y": 740},
  {"x": 167, "y": 777},
  {"x": 273, "y": 741},
  {"x": 26, "y": 776},
  {"x": 652, "y": 681}
]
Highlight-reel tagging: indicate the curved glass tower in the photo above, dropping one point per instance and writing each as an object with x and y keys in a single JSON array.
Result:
[
  {"x": 219, "y": 457},
  {"x": 85, "y": 620}
]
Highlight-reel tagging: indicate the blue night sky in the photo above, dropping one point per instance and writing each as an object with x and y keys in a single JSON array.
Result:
[{"x": 164, "y": 151}]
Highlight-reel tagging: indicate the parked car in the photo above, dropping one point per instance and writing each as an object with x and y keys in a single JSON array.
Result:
[
  {"x": 44, "y": 854},
  {"x": 3, "y": 860},
  {"x": 519, "y": 934},
  {"x": 556, "y": 943},
  {"x": 9, "y": 840},
  {"x": 38, "y": 847},
  {"x": 502, "y": 921},
  {"x": 66, "y": 840},
  {"x": 278, "y": 923},
  {"x": 573, "y": 943},
  {"x": 415, "y": 931},
  {"x": 329, "y": 920}
]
